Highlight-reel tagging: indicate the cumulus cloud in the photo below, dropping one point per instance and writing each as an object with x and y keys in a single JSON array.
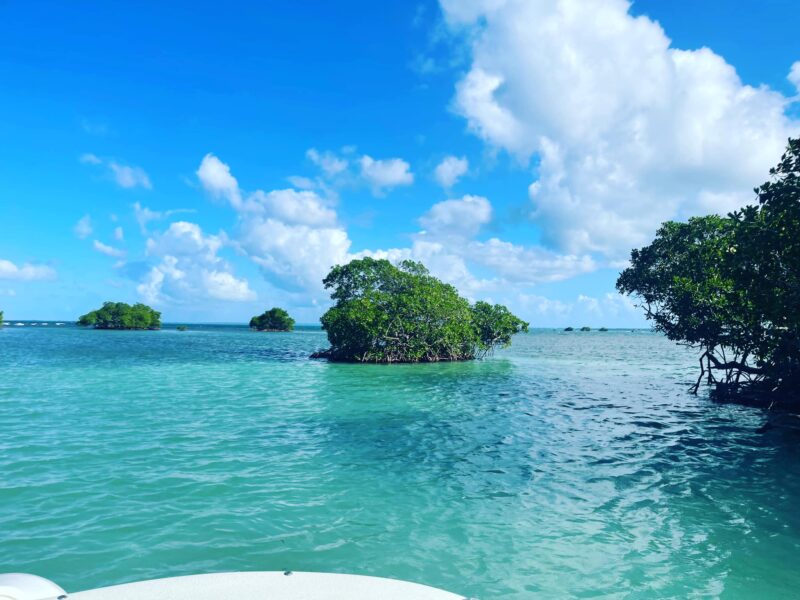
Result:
[
  {"x": 295, "y": 238},
  {"x": 330, "y": 164},
  {"x": 794, "y": 75},
  {"x": 462, "y": 217},
  {"x": 216, "y": 178},
  {"x": 299, "y": 255},
  {"x": 293, "y": 206},
  {"x": 83, "y": 228},
  {"x": 292, "y": 235},
  {"x": 384, "y": 174},
  {"x": 125, "y": 176},
  {"x": 26, "y": 272},
  {"x": 108, "y": 250},
  {"x": 144, "y": 215},
  {"x": 189, "y": 268},
  {"x": 629, "y": 131},
  {"x": 450, "y": 170}
]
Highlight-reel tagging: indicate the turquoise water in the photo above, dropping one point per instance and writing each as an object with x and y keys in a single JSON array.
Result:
[{"x": 572, "y": 465}]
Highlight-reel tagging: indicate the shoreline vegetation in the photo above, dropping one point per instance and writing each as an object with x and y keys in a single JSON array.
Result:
[
  {"x": 273, "y": 320},
  {"x": 119, "y": 315},
  {"x": 383, "y": 313},
  {"x": 386, "y": 313},
  {"x": 730, "y": 287},
  {"x": 727, "y": 286}
]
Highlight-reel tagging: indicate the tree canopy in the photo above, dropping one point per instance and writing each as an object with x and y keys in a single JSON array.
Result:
[
  {"x": 274, "y": 319},
  {"x": 400, "y": 313},
  {"x": 731, "y": 287},
  {"x": 119, "y": 315}
]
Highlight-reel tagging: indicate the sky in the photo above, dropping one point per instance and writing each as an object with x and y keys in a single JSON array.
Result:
[{"x": 216, "y": 160}]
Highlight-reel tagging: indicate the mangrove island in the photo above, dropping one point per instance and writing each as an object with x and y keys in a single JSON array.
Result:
[
  {"x": 274, "y": 319},
  {"x": 119, "y": 315},
  {"x": 387, "y": 313}
]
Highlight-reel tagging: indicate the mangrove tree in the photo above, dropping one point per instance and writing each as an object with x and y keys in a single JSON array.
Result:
[
  {"x": 400, "y": 313},
  {"x": 730, "y": 286},
  {"x": 274, "y": 319},
  {"x": 119, "y": 315}
]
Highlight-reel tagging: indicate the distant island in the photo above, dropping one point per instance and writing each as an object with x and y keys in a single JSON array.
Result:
[
  {"x": 387, "y": 313},
  {"x": 274, "y": 319},
  {"x": 119, "y": 315}
]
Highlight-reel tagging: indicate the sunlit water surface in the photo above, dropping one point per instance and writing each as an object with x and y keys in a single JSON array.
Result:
[{"x": 572, "y": 465}]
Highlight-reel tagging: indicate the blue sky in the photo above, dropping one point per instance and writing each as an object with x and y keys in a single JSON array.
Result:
[{"x": 215, "y": 161}]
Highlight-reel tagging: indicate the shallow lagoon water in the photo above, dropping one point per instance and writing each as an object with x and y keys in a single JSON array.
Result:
[{"x": 571, "y": 465}]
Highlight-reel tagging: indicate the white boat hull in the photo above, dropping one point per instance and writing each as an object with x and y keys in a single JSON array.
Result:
[{"x": 268, "y": 585}]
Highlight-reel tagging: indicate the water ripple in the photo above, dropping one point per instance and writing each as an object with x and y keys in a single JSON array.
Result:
[{"x": 572, "y": 465}]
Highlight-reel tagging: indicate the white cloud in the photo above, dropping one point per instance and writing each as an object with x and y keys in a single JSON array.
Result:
[
  {"x": 527, "y": 265},
  {"x": 224, "y": 286},
  {"x": 83, "y": 228},
  {"x": 330, "y": 164},
  {"x": 90, "y": 159},
  {"x": 292, "y": 206},
  {"x": 794, "y": 75},
  {"x": 185, "y": 239},
  {"x": 144, "y": 215},
  {"x": 119, "y": 234},
  {"x": 108, "y": 250},
  {"x": 126, "y": 176},
  {"x": 130, "y": 177},
  {"x": 292, "y": 235},
  {"x": 450, "y": 170},
  {"x": 610, "y": 309},
  {"x": 189, "y": 268},
  {"x": 629, "y": 130},
  {"x": 301, "y": 183},
  {"x": 216, "y": 178},
  {"x": 462, "y": 217},
  {"x": 299, "y": 254},
  {"x": 26, "y": 272},
  {"x": 295, "y": 237},
  {"x": 384, "y": 174}
]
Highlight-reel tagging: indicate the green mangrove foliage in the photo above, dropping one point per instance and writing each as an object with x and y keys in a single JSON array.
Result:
[
  {"x": 400, "y": 313},
  {"x": 118, "y": 315},
  {"x": 274, "y": 319},
  {"x": 730, "y": 286}
]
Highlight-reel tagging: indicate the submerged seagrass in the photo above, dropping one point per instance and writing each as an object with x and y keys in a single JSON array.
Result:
[{"x": 400, "y": 313}]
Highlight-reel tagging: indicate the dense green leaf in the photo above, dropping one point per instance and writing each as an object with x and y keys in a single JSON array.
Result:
[
  {"x": 118, "y": 315},
  {"x": 274, "y": 319},
  {"x": 400, "y": 313},
  {"x": 731, "y": 285}
]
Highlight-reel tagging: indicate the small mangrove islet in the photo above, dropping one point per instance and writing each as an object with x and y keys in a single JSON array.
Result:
[
  {"x": 274, "y": 319},
  {"x": 119, "y": 315},
  {"x": 386, "y": 313}
]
